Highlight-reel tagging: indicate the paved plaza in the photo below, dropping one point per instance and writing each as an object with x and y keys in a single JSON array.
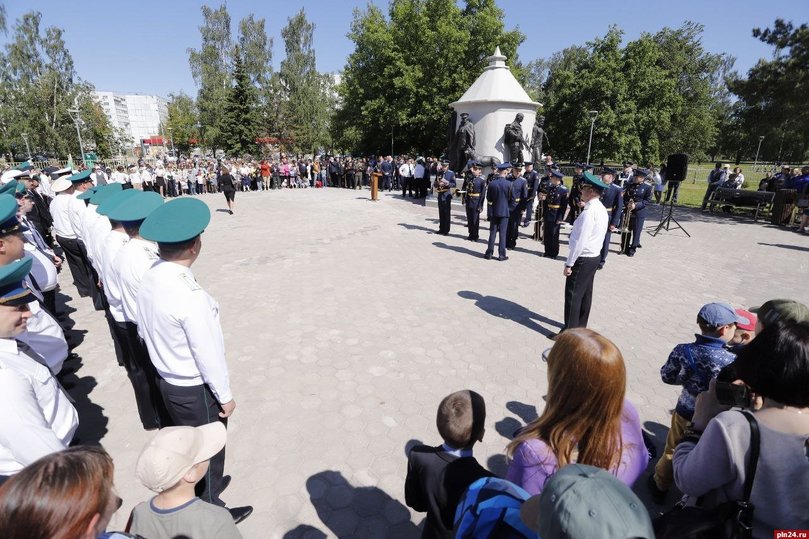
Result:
[{"x": 346, "y": 321}]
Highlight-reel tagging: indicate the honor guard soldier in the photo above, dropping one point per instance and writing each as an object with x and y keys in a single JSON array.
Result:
[
  {"x": 613, "y": 200},
  {"x": 498, "y": 195},
  {"x": 38, "y": 417},
  {"x": 637, "y": 197},
  {"x": 444, "y": 184},
  {"x": 475, "y": 200},
  {"x": 532, "y": 177},
  {"x": 519, "y": 196},
  {"x": 574, "y": 197},
  {"x": 553, "y": 213},
  {"x": 179, "y": 321}
]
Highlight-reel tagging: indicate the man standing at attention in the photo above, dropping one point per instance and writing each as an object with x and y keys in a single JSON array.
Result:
[
  {"x": 179, "y": 322},
  {"x": 475, "y": 198},
  {"x": 499, "y": 196},
  {"x": 586, "y": 241},
  {"x": 444, "y": 185}
]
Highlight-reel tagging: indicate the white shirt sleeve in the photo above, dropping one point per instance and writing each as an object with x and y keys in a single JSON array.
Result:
[
  {"x": 44, "y": 334},
  {"x": 575, "y": 242},
  {"x": 204, "y": 335},
  {"x": 24, "y": 430}
]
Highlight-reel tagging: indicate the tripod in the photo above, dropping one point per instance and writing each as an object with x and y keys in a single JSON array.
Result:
[{"x": 666, "y": 221}]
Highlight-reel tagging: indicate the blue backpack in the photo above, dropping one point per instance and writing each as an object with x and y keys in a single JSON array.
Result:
[{"x": 490, "y": 508}]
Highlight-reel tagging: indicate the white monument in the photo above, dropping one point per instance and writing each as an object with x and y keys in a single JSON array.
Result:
[{"x": 493, "y": 100}]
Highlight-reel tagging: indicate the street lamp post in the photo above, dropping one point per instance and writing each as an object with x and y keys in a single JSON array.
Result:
[
  {"x": 760, "y": 140},
  {"x": 593, "y": 115},
  {"x": 76, "y": 120},
  {"x": 27, "y": 148},
  {"x": 171, "y": 139}
]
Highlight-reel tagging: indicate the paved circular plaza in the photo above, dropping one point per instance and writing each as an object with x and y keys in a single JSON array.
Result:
[{"x": 346, "y": 321}]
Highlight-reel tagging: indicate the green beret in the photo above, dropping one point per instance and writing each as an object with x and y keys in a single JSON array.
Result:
[
  {"x": 594, "y": 181},
  {"x": 9, "y": 188},
  {"x": 179, "y": 220},
  {"x": 8, "y": 215},
  {"x": 13, "y": 291},
  {"x": 137, "y": 207},
  {"x": 81, "y": 176},
  {"x": 117, "y": 197},
  {"x": 104, "y": 192}
]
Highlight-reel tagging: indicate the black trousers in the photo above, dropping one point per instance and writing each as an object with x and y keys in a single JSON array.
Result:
[
  {"x": 195, "y": 406},
  {"x": 550, "y": 232},
  {"x": 529, "y": 212},
  {"x": 142, "y": 376},
  {"x": 513, "y": 228},
  {"x": 473, "y": 220},
  {"x": 76, "y": 262},
  {"x": 579, "y": 292},
  {"x": 444, "y": 213},
  {"x": 497, "y": 225},
  {"x": 605, "y": 249},
  {"x": 636, "y": 222},
  {"x": 673, "y": 188},
  {"x": 116, "y": 339}
]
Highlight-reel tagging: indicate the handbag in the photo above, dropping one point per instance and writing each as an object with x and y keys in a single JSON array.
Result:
[{"x": 730, "y": 520}]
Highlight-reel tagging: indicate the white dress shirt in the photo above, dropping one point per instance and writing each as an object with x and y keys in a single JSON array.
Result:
[
  {"x": 589, "y": 229},
  {"x": 179, "y": 322},
  {"x": 43, "y": 269},
  {"x": 60, "y": 211},
  {"x": 129, "y": 266},
  {"x": 97, "y": 233},
  {"x": 75, "y": 213},
  {"x": 39, "y": 418},
  {"x": 87, "y": 219},
  {"x": 119, "y": 177},
  {"x": 112, "y": 245},
  {"x": 134, "y": 178}
]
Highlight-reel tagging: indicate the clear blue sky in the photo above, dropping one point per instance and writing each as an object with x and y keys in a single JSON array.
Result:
[{"x": 141, "y": 46}]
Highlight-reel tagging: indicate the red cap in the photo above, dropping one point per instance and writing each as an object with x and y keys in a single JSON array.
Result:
[{"x": 751, "y": 326}]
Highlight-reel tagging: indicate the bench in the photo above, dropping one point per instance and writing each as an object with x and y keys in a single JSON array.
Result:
[{"x": 742, "y": 198}]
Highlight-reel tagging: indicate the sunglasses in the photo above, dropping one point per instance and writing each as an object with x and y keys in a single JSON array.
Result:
[{"x": 545, "y": 354}]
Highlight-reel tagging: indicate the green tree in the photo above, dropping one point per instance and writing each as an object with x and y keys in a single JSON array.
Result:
[
  {"x": 772, "y": 99},
  {"x": 407, "y": 68},
  {"x": 239, "y": 119},
  {"x": 304, "y": 109},
  {"x": 211, "y": 69},
  {"x": 182, "y": 121},
  {"x": 38, "y": 85}
]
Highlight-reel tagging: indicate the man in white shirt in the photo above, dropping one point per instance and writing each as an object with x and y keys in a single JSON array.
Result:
[
  {"x": 180, "y": 323},
  {"x": 586, "y": 240},
  {"x": 134, "y": 179},
  {"x": 119, "y": 176},
  {"x": 131, "y": 263},
  {"x": 66, "y": 236},
  {"x": 39, "y": 418}
]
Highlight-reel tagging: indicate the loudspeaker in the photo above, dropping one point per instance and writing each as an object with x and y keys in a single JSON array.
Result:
[{"x": 676, "y": 167}]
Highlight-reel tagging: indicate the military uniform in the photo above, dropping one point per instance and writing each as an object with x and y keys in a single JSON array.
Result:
[
  {"x": 613, "y": 200},
  {"x": 474, "y": 202},
  {"x": 641, "y": 194},
  {"x": 553, "y": 212},
  {"x": 519, "y": 190},
  {"x": 499, "y": 196},
  {"x": 532, "y": 177},
  {"x": 444, "y": 185},
  {"x": 573, "y": 199}
]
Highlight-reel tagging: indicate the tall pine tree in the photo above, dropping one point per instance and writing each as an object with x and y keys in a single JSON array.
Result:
[{"x": 239, "y": 121}]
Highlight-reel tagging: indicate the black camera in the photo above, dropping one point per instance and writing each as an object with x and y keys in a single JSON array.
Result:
[{"x": 730, "y": 394}]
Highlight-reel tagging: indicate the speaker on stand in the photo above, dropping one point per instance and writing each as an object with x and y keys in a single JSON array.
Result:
[{"x": 676, "y": 171}]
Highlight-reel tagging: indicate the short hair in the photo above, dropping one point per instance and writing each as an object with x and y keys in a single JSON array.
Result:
[
  {"x": 705, "y": 327},
  {"x": 58, "y": 495},
  {"x": 461, "y": 417},
  {"x": 172, "y": 250},
  {"x": 776, "y": 363}
]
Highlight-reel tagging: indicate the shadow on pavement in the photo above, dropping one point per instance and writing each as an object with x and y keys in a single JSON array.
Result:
[
  {"x": 92, "y": 421},
  {"x": 498, "y": 465},
  {"x": 784, "y": 246},
  {"x": 304, "y": 531},
  {"x": 503, "y": 308},
  {"x": 458, "y": 249},
  {"x": 508, "y": 427},
  {"x": 350, "y": 511},
  {"x": 526, "y": 412}
]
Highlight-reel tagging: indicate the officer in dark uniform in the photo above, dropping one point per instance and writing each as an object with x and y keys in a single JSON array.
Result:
[
  {"x": 553, "y": 212},
  {"x": 574, "y": 197},
  {"x": 519, "y": 190},
  {"x": 499, "y": 196},
  {"x": 532, "y": 177},
  {"x": 444, "y": 184},
  {"x": 386, "y": 168},
  {"x": 613, "y": 200},
  {"x": 474, "y": 200},
  {"x": 637, "y": 197}
]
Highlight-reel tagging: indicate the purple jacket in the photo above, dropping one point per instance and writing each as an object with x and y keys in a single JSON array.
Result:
[{"x": 534, "y": 462}]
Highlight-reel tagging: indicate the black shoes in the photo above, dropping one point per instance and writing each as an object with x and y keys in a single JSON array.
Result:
[
  {"x": 658, "y": 496},
  {"x": 487, "y": 256},
  {"x": 601, "y": 266},
  {"x": 502, "y": 258},
  {"x": 631, "y": 252},
  {"x": 240, "y": 513},
  {"x": 230, "y": 212}
]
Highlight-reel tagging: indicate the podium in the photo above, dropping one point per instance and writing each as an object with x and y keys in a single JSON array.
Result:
[{"x": 375, "y": 185}]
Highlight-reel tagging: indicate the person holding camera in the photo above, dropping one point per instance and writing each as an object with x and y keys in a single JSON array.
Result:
[
  {"x": 712, "y": 460},
  {"x": 693, "y": 366}
]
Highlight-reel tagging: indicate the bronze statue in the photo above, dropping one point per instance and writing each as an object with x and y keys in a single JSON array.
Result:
[
  {"x": 537, "y": 136},
  {"x": 514, "y": 139},
  {"x": 462, "y": 144}
]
